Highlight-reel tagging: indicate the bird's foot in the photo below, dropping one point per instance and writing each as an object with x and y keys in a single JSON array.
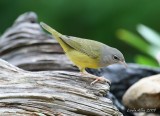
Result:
[{"x": 102, "y": 79}]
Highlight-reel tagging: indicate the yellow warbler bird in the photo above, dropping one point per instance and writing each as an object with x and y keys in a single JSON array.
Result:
[{"x": 85, "y": 53}]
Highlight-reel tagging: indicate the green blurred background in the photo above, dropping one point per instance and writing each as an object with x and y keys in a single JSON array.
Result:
[{"x": 93, "y": 19}]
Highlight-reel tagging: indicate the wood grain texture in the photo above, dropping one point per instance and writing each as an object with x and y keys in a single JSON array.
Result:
[
  {"x": 52, "y": 92},
  {"x": 46, "y": 82}
]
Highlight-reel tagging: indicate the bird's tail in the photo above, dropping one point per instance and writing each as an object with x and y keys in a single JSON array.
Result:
[
  {"x": 51, "y": 30},
  {"x": 58, "y": 36}
]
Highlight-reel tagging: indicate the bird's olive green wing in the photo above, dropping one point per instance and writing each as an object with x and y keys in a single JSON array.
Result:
[{"x": 88, "y": 47}]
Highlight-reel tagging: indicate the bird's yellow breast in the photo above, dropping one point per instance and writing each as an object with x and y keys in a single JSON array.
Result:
[{"x": 82, "y": 60}]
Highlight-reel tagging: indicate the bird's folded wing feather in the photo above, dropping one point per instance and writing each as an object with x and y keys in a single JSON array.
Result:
[{"x": 88, "y": 47}]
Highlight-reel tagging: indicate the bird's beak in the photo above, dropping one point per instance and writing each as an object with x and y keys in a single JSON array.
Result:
[{"x": 123, "y": 63}]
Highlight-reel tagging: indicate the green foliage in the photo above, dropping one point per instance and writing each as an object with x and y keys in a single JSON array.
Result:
[
  {"x": 149, "y": 44},
  {"x": 145, "y": 60},
  {"x": 133, "y": 40},
  {"x": 93, "y": 19}
]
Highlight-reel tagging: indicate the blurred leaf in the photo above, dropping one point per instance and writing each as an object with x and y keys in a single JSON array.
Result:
[
  {"x": 146, "y": 60},
  {"x": 133, "y": 40},
  {"x": 153, "y": 51},
  {"x": 150, "y": 35}
]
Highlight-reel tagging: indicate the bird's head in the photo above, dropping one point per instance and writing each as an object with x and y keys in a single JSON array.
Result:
[{"x": 114, "y": 56}]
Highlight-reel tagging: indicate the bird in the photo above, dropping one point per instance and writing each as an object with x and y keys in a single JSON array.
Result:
[{"x": 86, "y": 53}]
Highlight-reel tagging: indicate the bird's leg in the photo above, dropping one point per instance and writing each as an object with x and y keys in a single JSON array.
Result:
[{"x": 85, "y": 73}]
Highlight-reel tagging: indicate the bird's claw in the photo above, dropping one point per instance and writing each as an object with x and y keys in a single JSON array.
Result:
[{"x": 100, "y": 79}]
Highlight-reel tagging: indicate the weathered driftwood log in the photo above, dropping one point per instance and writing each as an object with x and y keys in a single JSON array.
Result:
[{"x": 50, "y": 93}]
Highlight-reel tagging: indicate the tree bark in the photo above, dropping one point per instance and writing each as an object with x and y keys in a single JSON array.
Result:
[{"x": 46, "y": 83}]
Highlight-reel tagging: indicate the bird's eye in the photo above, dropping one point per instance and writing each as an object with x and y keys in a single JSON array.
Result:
[{"x": 115, "y": 57}]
